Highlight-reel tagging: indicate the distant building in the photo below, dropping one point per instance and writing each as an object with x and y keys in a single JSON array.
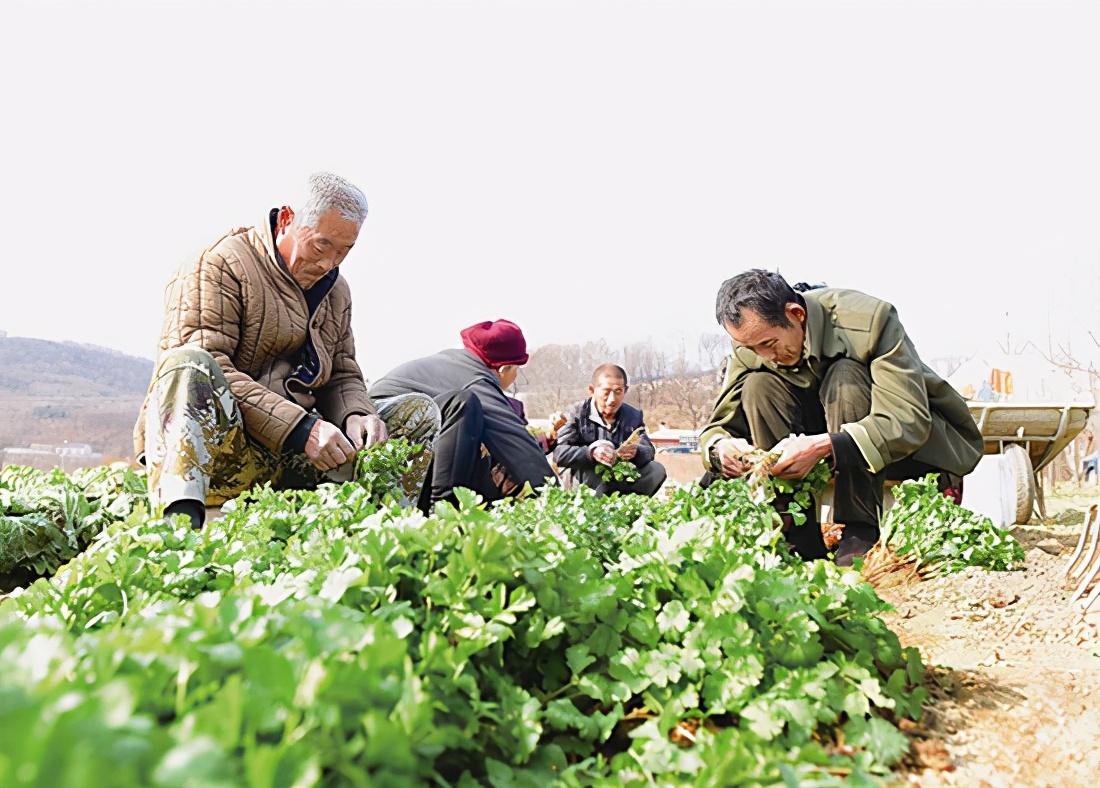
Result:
[
  {"x": 669, "y": 439},
  {"x": 3, "y": 334},
  {"x": 45, "y": 457}
]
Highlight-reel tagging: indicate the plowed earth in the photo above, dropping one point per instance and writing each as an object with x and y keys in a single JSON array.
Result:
[{"x": 1014, "y": 670}]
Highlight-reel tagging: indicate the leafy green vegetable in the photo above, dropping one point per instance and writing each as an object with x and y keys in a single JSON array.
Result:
[
  {"x": 46, "y": 518},
  {"x": 387, "y": 468},
  {"x": 936, "y": 532},
  {"x": 334, "y": 637},
  {"x": 800, "y": 492},
  {"x": 622, "y": 471}
]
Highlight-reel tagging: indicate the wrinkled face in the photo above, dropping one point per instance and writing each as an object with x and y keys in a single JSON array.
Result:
[
  {"x": 311, "y": 252},
  {"x": 781, "y": 345},
  {"x": 608, "y": 393}
]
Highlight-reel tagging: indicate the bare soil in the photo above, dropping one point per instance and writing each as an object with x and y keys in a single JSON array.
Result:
[{"x": 1014, "y": 667}]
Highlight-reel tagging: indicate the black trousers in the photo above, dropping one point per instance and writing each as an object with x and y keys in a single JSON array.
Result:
[
  {"x": 772, "y": 409},
  {"x": 653, "y": 476},
  {"x": 457, "y": 460}
]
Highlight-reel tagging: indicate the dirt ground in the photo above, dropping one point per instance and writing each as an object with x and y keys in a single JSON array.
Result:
[{"x": 1015, "y": 667}]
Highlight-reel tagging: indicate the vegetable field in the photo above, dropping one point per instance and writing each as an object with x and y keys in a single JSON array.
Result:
[{"x": 332, "y": 637}]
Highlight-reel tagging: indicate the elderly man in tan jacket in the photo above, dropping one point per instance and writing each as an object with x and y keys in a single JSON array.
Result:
[{"x": 256, "y": 379}]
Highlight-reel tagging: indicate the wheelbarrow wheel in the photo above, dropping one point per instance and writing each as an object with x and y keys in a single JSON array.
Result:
[{"x": 1024, "y": 477}]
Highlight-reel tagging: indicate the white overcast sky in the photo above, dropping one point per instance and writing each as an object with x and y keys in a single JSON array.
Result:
[{"x": 587, "y": 169}]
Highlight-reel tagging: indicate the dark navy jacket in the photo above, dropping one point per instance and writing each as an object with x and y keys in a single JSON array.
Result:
[
  {"x": 506, "y": 436},
  {"x": 581, "y": 431}
]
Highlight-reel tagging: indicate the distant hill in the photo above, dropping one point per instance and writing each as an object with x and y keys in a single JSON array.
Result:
[
  {"x": 30, "y": 367},
  {"x": 58, "y": 392}
]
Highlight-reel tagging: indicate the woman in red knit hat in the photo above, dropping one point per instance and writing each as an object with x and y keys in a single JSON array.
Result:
[{"x": 468, "y": 385}]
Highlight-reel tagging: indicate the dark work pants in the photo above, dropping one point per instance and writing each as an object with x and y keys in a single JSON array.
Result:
[
  {"x": 772, "y": 409},
  {"x": 457, "y": 460},
  {"x": 653, "y": 476}
]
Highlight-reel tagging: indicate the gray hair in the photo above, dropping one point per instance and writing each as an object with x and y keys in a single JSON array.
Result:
[{"x": 329, "y": 192}]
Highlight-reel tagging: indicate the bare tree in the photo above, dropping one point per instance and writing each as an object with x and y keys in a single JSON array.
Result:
[
  {"x": 647, "y": 367},
  {"x": 688, "y": 393},
  {"x": 714, "y": 348},
  {"x": 946, "y": 366},
  {"x": 1062, "y": 357},
  {"x": 556, "y": 376}
]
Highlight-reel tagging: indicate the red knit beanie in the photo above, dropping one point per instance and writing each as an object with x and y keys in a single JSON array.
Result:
[{"x": 498, "y": 343}]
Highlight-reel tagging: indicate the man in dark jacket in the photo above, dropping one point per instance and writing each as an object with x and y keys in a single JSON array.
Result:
[
  {"x": 594, "y": 433},
  {"x": 468, "y": 385},
  {"x": 832, "y": 374}
]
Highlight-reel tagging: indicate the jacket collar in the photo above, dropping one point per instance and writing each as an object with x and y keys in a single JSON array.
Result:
[
  {"x": 482, "y": 367},
  {"x": 814, "y": 330},
  {"x": 595, "y": 415},
  {"x": 265, "y": 231}
]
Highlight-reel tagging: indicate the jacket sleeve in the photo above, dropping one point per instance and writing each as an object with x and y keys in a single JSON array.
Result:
[
  {"x": 508, "y": 440},
  {"x": 345, "y": 393},
  {"x": 204, "y": 309},
  {"x": 645, "y": 452},
  {"x": 900, "y": 420},
  {"x": 572, "y": 451},
  {"x": 725, "y": 410}
]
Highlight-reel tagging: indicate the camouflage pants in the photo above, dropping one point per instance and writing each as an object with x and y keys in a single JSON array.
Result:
[{"x": 196, "y": 446}]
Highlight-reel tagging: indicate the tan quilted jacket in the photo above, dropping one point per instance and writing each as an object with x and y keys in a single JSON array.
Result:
[{"x": 241, "y": 306}]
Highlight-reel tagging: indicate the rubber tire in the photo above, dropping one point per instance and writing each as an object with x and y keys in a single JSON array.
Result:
[{"x": 1024, "y": 476}]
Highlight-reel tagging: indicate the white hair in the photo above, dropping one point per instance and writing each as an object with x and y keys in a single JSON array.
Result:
[{"x": 329, "y": 192}]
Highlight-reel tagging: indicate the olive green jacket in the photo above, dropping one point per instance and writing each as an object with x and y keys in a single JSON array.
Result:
[{"x": 914, "y": 412}]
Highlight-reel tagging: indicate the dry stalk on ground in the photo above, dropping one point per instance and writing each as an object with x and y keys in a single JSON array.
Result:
[{"x": 883, "y": 567}]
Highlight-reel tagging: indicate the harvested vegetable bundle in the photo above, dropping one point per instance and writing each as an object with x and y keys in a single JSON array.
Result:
[
  {"x": 764, "y": 487},
  {"x": 927, "y": 534},
  {"x": 623, "y": 470}
]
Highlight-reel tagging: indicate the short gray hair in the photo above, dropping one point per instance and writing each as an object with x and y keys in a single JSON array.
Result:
[{"x": 328, "y": 192}]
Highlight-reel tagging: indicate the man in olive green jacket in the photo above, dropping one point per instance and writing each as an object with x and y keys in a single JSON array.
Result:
[{"x": 831, "y": 374}]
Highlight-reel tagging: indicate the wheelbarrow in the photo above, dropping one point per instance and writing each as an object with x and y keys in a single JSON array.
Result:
[{"x": 1030, "y": 437}]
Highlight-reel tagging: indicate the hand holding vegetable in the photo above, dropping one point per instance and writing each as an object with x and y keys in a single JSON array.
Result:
[
  {"x": 326, "y": 446},
  {"x": 627, "y": 452},
  {"x": 731, "y": 453},
  {"x": 800, "y": 453},
  {"x": 364, "y": 431},
  {"x": 557, "y": 421},
  {"x": 603, "y": 452}
]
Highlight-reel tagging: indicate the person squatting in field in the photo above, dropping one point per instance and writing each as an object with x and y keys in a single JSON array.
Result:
[
  {"x": 256, "y": 378},
  {"x": 831, "y": 374},
  {"x": 596, "y": 433},
  {"x": 483, "y": 442}
]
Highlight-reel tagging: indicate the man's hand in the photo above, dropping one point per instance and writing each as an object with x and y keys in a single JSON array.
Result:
[
  {"x": 603, "y": 452},
  {"x": 730, "y": 451},
  {"x": 800, "y": 455},
  {"x": 557, "y": 421},
  {"x": 326, "y": 446},
  {"x": 627, "y": 452},
  {"x": 366, "y": 430}
]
